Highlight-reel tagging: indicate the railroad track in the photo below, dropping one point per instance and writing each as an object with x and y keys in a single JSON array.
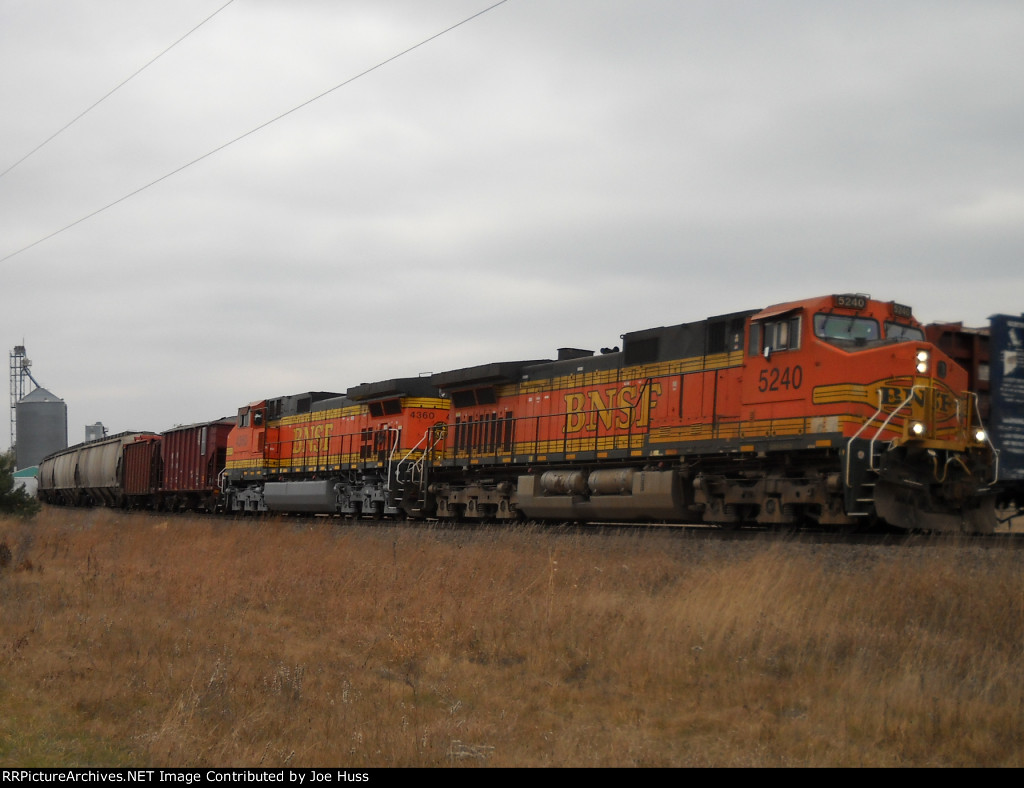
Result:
[{"x": 1006, "y": 537}]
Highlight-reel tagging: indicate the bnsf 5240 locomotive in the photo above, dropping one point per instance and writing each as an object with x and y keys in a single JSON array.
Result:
[{"x": 832, "y": 410}]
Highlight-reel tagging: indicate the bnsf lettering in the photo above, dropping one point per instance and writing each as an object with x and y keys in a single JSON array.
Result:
[
  {"x": 780, "y": 378},
  {"x": 312, "y": 439},
  {"x": 896, "y": 395},
  {"x": 629, "y": 406}
]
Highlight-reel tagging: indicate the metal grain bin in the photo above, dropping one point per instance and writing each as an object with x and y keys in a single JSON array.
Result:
[{"x": 42, "y": 420}]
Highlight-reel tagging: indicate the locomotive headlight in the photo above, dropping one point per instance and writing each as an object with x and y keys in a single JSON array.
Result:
[
  {"x": 980, "y": 436},
  {"x": 922, "y": 361},
  {"x": 917, "y": 428}
]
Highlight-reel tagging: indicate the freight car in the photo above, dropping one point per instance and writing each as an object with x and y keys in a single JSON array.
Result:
[
  {"x": 177, "y": 470},
  {"x": 88, "y": 474},
  {"x": 834, "y": 410},
  {"x": 174, "y": 471},
  {"x": 993, "y": 356}
]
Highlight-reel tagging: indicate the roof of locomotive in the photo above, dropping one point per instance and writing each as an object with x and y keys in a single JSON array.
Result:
[
  {"x": 854, "y": 302},
  {"x": 396, "y": 387},
  {"x": 610, "y": 359},
  {"x": 781, "y": 309},
  {"x": 483, "y": 374},
  {"x": 334, "y": 403},
  {"x": 294, "y": 404}
]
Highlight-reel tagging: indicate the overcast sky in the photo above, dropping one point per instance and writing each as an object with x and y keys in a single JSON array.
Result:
[{"x": 552, "y": 173}]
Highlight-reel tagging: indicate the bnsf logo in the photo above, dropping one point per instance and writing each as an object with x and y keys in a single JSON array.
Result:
[
  {"x": 615, "y": 408},
  {"x": 311, "y": 440},
  {"x": 894, "y": 396}
]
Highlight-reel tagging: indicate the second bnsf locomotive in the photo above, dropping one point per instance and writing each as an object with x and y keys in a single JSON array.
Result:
[{"x": 833, "y": 411}]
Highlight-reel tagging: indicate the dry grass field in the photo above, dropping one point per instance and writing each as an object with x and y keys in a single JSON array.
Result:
[{"x": 132, "y": 640}]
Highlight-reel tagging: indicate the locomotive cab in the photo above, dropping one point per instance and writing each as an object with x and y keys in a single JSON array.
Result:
[
  {"x": 851, "y": 323},
  {"x": 914, "y": 450},
  {"x": 246, "y": 442}
]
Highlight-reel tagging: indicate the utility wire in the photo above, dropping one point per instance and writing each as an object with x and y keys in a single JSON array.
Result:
[
  {"x": 253, "y": 131},
  {"x": 95, "y": 104}
]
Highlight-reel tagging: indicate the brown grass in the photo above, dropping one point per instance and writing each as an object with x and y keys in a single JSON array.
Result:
[{"x": 129, "y": 640}]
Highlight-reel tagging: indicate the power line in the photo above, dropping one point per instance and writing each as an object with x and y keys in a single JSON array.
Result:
[
  {"x": 95, "y": 104},
  {"x": 253, "y": 131}
]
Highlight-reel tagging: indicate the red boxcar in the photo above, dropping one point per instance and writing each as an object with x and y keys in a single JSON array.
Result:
[
  {"x": 141, "y": 469},
  {"x": 192, "y": 458}
]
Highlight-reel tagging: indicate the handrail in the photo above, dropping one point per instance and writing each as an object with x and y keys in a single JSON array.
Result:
[
  {"x": 988, "y": 438},
  {"x": 420, "y": 464},
  {"x": 849, "y": 443},
  {"x": 884, "y": 425},
  {"x": 397, "y": 431},
  {"x": 408, "y": 454}
]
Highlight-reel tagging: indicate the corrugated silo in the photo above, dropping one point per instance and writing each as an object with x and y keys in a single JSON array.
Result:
[{"x": 42, "y": 426}]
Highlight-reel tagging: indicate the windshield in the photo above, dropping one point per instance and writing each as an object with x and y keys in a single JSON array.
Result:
[
  {"x": 902, "y": 333},
  {"x": 843, "y": 327}
]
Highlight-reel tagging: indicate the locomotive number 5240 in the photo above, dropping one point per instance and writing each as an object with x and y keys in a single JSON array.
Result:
[{"x": 780, "y": 378}]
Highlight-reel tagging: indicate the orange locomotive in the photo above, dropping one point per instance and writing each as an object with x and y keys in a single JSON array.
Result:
[
  {"x": 833, "y": 410},
  {"x": 360, "y": 453}
]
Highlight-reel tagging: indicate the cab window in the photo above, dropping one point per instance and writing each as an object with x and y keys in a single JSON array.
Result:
[
  {"x": 783, "y": 334},
  {"x": 837, "y": 329},
  {"x": 902, "y": 333}
]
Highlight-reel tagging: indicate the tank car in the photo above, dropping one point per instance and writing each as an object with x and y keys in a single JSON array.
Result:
[
  {"x": 833, "y": 410},
  {"x": 88, "y": 474}
]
